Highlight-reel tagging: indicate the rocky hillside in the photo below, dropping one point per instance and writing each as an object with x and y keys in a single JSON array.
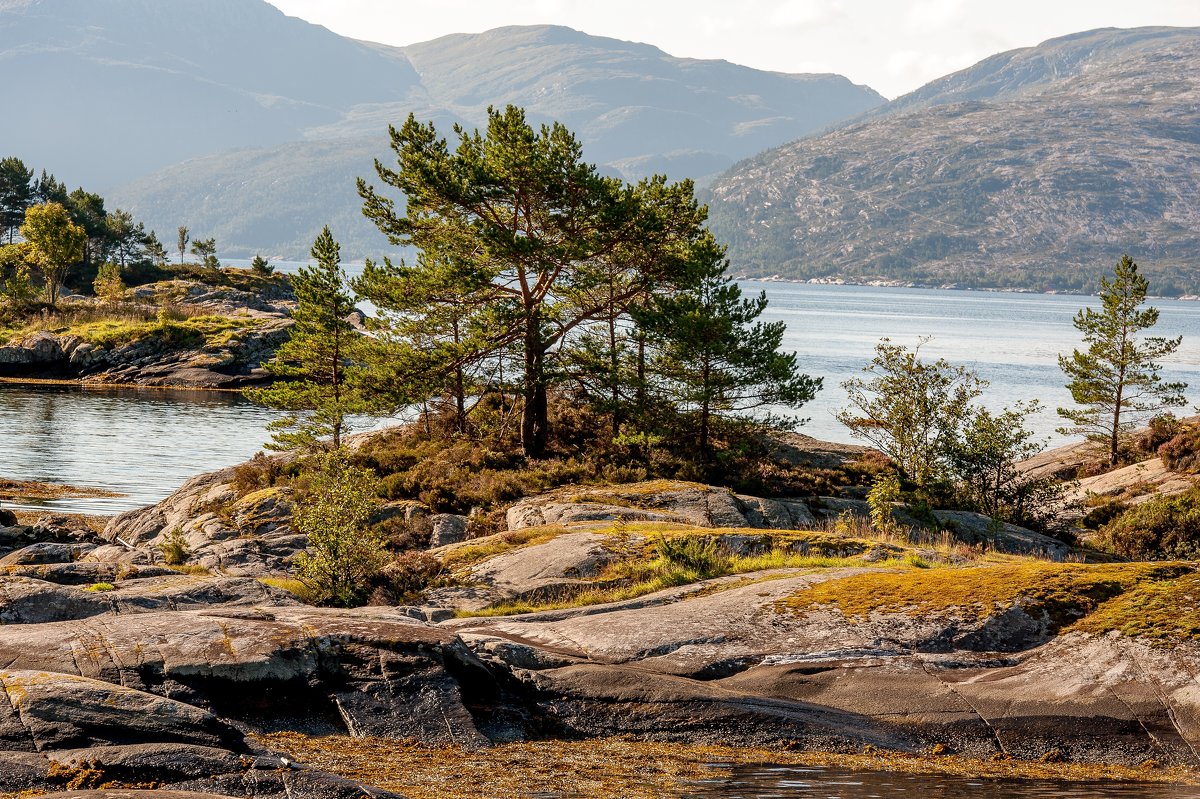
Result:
[
  {"x": 261, "y": 122},
  {"x": 1036, "y": 168}
]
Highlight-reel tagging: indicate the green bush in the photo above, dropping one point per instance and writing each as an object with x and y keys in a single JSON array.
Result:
[
  {"x": 174, "y": 548},
  {"x": 1165, "y": 528},
  {"x": 704, "y": 556},
  {"x": 101, "y": 587}
]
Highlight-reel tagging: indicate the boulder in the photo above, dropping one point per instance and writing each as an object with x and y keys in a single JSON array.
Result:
[
  {"x": 447, "y": 528},
  {"x": 46, "y": 552}
]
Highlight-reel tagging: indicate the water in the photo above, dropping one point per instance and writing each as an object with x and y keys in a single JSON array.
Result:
[
  {"x": 1011, "y": 340},
  {"x": 144, "y": 444},
  {"x": 792, "y": 782}
]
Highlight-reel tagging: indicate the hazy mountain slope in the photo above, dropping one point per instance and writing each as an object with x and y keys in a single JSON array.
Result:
[
  {"x": 1045, "y": 184},
  {"x": 111, "y": 89},
  {"x": 632, "y": 105},
  {"x": 637, "y": 110}
]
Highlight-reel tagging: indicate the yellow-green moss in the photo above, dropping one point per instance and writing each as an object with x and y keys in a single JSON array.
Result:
[
  {"x": 1065, "y": 591},
  {"x": 1160, "y": 610}
]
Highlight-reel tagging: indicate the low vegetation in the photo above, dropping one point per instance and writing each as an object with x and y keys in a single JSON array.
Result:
[
  {"x": 606, "y": 767},
  {"x": 1073, "y": 596}
]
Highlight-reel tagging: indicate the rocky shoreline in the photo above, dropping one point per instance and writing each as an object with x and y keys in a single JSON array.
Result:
[{"x": 124, "y": 671}]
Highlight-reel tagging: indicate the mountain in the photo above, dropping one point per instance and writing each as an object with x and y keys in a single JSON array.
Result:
[
  {"x": 107, "y": 90},
  {"x": 1035, "y": 168},
  {"x": 212, "y": 113}
]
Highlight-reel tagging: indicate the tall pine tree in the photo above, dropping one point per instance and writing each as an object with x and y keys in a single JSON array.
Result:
[
  {"x": 1116, "y": 381},
  {"x": 319, "y": 367},
  {"x": 711, "y": 356}
]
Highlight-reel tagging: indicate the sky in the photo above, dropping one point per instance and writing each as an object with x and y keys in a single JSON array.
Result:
[{"x": 893, "y": 46}]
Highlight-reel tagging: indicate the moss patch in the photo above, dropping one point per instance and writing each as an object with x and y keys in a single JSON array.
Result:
[
  {"x": 1066, "y": 592},
  {"x": 1160, "y": 610},
  {"x": 608, "y": 767},
  {"x": 32, "y": 489}
]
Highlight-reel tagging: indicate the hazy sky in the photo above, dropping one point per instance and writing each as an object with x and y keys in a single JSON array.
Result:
[{"x": 893, "y": 46}]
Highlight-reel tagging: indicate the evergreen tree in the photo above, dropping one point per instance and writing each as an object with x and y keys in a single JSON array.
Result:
[
  {"x": 128, "y": 238},
  {"x": 1116, "y": 381},
  {"x": 87, "y": 211},
  {"x": 206, "y": 251},
  {"x": 529, "y": 230},
  {"x": 182, "y": 242},
  {"x": 16, "y": 194},
  {"x": 56, "y": 243},
  {"x": 319, "y": 366},
  {"x": 49, "y": 190},
  {"x": 154, "y": 249},
  {"x": 108, "y": 284},
  {"x": 714, "y": 358},
  {"x": 261, "y": 266}
]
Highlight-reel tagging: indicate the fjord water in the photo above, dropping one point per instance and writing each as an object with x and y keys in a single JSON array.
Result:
[
  {"x": 144, "y": 444},
  {"x": 792, "y": 782}
]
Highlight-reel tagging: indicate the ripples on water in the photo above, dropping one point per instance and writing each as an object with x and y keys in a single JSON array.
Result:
[
  {"x": 143, "y": 444},
  {"x": 778, "y": 782},
  {"x": 146, "y": 443}
]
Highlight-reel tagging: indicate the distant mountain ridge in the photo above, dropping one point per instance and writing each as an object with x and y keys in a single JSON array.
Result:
[
  {"x": 1035, "y": 168},
  {"x": 206, "y": 112}
]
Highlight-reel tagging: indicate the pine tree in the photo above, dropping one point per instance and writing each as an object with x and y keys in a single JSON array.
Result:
[
  {"x": 1116, "y": 381},
  {"x": 16, "y": 194},
  {"x": 713, "y": 358},
  {"x": 319, "y": 367},
  {"x": 182, "y": 242},
  {"x": 530, "y": 231}
]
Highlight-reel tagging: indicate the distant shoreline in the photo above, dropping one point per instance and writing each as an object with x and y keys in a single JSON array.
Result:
[{"x": 881, "y": 283}]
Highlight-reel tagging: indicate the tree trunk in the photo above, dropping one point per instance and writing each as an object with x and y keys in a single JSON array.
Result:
[{"x": 534, "y": 414}]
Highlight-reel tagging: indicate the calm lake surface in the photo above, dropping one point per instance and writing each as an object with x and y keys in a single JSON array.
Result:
[
  {"x": 145, "y": 444},
  {"x": 778, "y": 782}
]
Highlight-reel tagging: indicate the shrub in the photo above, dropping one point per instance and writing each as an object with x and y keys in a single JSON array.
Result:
[
  {"x": 255, "y": 474},
  {"x": 1165, "y": 528},
  {"x": 704, "y": 556},
  {"x": 344, "y": 554},
  {"x": 108, "y": 284},
  {"x": 406, "y": 577},
  {"x": 101, "y": 587},
  {"x": 1182, "y": 451},
  {"x": 1161, "y": 429},
  {"x": 884, "y": 492},
  {"x": 174, "y": 548}
]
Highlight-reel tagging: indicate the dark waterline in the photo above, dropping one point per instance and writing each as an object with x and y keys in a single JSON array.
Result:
[{"x": 778, "y": 782}]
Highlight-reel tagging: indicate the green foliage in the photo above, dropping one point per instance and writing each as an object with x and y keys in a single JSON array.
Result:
[
  {"x": 320, "y": 365},
  {"x": 711, "y": 356},
  {"x": 101, "y": 587},
  {"x": 174, "y": 548},
  {"x": 260, "y": 266},
  {"x": 885, "y": 491},
  {"x": 108, "y": 284},
  {"x": 523, "y": 245},
  {"x": 1163, "y": 528},
  {"x": 910, "y": 410},
  {"x": 984, "y": 460},
  {"x": 206, "y": 251},
  {"x": 1116, "y": 380},
  {"x": 333, "y": 509},
  {"x": 154, "y": 249},
  {"x": 16, "y": 281},
  {"x": 55, "y": 242},
  {"x": 703, "y": 556},
  {"x": 183, "y": 237},
  {"x": 16, "y": 194}
]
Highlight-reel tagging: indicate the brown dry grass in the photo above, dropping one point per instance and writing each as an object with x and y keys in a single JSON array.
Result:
[{"x": 622, "y": 767}]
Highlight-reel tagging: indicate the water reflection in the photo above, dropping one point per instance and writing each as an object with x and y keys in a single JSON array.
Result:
[
  {"x": 143, "y": 444},
  {"x": 778, "y": 782}
]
